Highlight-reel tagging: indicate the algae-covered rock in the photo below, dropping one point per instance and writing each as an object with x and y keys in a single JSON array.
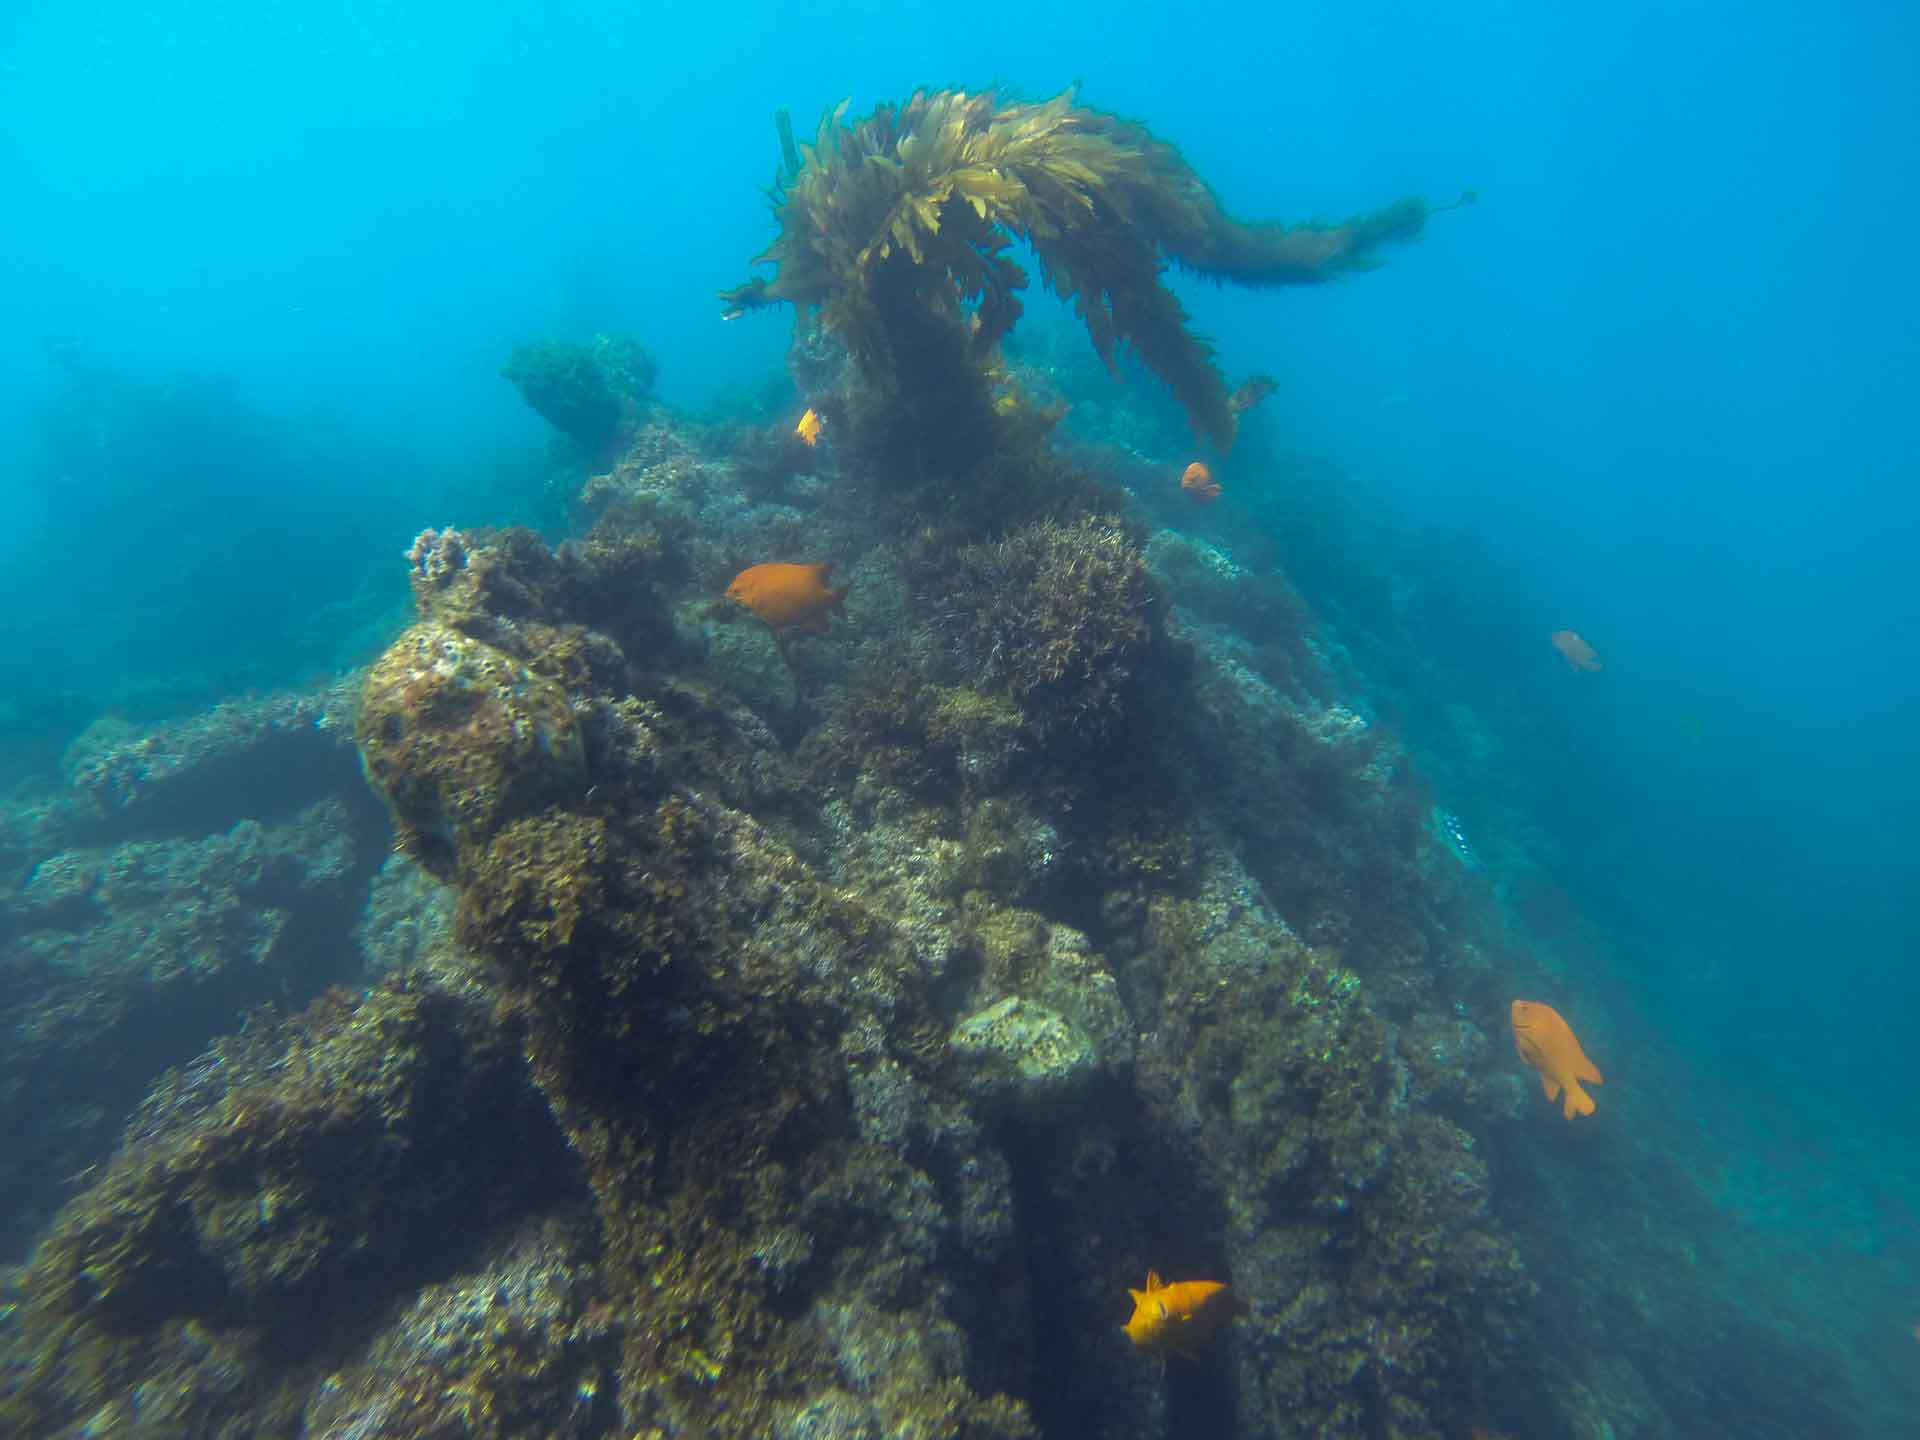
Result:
[
  {"x": 521, "y": 1344},
  {"x": 408, "y": 919},
  {"x": 831, "y": 1415},
  {"x": 280, "y": 751},
  {"x": 121, "y": 959},
  {"x": 228, "y": 1200},
  {"x": 583, "y": 390},
  {"x": 1025, "y": 1056},
  {"x": 1054, "y": 967},
  {"x": 1059, "y": 617},
  {"x": 461, "y": 738},
  {"x": 269, "y": 1197}
]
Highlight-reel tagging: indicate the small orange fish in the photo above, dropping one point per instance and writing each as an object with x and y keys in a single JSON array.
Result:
[
  {"x": 788, "y": 595},
  {"x": 1579, "y": 654},
  {"x": 1180, "y": 1318},
  {"x": 809, "y": 427},
  {"x": 1198, "y": 482},
  {"x": 1547, "y": 1042}
]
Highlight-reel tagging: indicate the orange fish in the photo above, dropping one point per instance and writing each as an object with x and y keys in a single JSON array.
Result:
[
  {"x": 809, "y": 427},
  {"x": 1579, "y": 654},
  {"x": 788, "y": 595},
  {"x": 1180, "y": 1318},
  {"x": 1547, "y": 1042},
  {"x": 1198, "y": 482}
]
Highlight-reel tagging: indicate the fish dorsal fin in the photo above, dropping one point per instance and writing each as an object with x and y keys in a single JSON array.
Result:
[
  {"x": 1154, "y": 1282},
  {"x": 1588, "y": 1071}
]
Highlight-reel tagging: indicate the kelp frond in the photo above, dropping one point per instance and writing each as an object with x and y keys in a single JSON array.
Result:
[{"x": 918, "y": 204}]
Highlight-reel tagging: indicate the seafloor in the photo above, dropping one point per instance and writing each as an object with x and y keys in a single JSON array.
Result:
[{"x": 815, "y": 1037}]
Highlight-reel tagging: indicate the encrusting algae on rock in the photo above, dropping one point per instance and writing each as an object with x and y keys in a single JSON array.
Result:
[{"x": 460, "y": 737}]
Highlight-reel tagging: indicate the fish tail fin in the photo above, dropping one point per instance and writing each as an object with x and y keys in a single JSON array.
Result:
[{"x": 1578, "y": 1102}]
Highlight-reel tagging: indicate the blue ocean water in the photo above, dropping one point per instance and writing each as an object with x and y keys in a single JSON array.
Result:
[{"x": 1655, "y": 387}]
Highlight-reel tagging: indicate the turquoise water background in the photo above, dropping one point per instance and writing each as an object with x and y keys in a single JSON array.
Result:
[{"x": 1657, "y": 387}]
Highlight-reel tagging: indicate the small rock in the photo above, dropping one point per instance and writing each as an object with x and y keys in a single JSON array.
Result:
[{"x": 1025, "y": 1056}]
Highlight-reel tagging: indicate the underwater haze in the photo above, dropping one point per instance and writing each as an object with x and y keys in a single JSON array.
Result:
[{"x": 262, "y": 267}]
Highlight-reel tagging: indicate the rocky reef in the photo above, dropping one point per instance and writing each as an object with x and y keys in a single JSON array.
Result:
[
  {"x": 869, "y": 1065},
  {"x": 586, "y": 390},
  {"x": 188, "y": 873},
  {"x": 808, "y": 1035}
]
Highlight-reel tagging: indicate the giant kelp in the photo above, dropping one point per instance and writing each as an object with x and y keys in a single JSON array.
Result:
[{"x": 903, "y": 221}]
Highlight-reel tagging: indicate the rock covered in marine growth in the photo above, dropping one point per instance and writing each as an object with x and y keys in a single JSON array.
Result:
[
  {"x": 1038, "y": 1052},
  {"x": 250, "y": 756},
  {"x": 1024, "y": 1055},
  {"x": 461, "y": 738},
  {"x": 338, "y": 1157},
  {"x": 120, "y": 959}
]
